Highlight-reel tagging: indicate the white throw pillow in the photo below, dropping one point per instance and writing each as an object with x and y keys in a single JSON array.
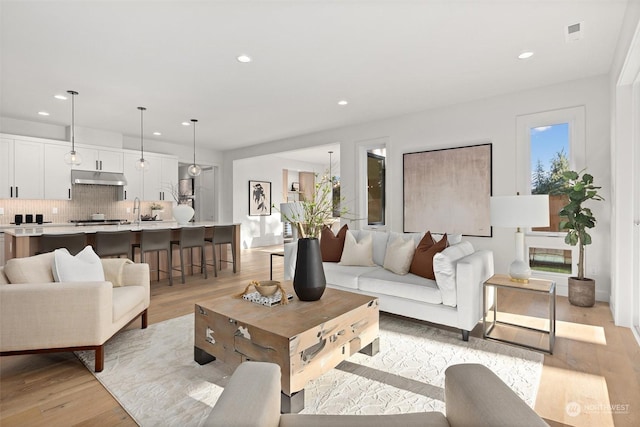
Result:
[
  {"x": 452, "y": 238},
  {"x": 357, "y": 253},
  {"x": 84, "y": 267},
  {"x": 444, "y": 268},
  {"x": 399, "y": 255}
]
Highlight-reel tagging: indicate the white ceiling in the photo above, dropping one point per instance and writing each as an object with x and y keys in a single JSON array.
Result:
[{"x": 387, "y": 58}]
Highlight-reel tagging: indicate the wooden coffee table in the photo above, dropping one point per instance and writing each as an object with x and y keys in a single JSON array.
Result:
[{"x": 306, "y": 339}]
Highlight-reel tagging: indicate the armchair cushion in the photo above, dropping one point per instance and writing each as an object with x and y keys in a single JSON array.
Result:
[{"x": 34, "y": 269}]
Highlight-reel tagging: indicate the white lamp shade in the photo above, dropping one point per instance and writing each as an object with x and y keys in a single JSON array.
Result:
[{"x": 520, "y": 211}]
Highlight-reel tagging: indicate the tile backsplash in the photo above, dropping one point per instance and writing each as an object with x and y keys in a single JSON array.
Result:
[{"x": 87, "y": 200}]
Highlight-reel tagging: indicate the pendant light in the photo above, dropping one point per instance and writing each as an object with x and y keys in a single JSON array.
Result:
[
  {"x": 194, "y": 169},
  {"x": 72, "y": 157},
  {"x": 142, "y": 164}
]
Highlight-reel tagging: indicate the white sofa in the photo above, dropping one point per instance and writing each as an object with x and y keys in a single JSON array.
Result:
[
  {"x": 39, "y": 315},
  {"x": 411, "y": 295}
]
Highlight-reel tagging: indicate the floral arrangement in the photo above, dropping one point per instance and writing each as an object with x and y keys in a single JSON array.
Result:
[
  {"x": 181, "y": 196},
  {"x": 156, "y": 206},
  {"x": 317, "y": 211}
]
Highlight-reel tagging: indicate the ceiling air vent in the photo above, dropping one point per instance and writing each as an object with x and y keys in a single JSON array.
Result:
[{"x": 574, "y": 32}]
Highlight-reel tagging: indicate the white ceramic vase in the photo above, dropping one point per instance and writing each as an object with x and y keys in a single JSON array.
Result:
[{"x": 183, "y": 213}]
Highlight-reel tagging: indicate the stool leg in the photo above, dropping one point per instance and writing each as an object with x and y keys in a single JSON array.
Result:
[
  {"x": 170, "y": 258},
  {"x": 203, "y": 262},
  {"x": 233, "y": 257},
  {"x": 182, "y": 264},
  {"x": 215, "y": 261},
  {"x": 158, "y": 257}
]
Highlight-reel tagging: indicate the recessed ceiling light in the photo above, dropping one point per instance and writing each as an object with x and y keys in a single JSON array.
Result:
[
  {"x": 244, "y": 58},
  {"x": 525, "y": 55},
  {"x": 186, "y": 124},
  {"x": 343, "y": 102},
  {"x": 157, "y": 133},
  {"x": 60, "y": 97},
  {"x": 43, "y": 113}
]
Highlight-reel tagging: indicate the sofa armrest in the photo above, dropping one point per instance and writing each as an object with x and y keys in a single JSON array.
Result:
[
  {"x": 251, "y": 398},
  {"x": 475, "y": 396},
  {"x": 471, "y": 273},
  {"x": 55, "y": 315}
]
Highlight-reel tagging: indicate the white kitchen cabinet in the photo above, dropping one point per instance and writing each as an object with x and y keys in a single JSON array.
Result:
[
  {"x": 28, "y": 170},
  {"x": 134, "y": 177},
  {"x": 57, "y": 173},
  {"x": 97, "y": 159},
  {"x": 6, "y": 168},
  {"x": 162, "y": 174}
]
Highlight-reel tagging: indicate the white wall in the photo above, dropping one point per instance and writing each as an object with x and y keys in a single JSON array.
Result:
[
  {"x": 263, "y": 230},
  {"x": 625, "y": 289},
  {"x": 493, "y": 120}
]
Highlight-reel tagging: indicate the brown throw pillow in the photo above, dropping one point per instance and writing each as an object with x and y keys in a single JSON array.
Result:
[
  {"x": 422, "y": 264},
  {"x": 331, "y": 246}
]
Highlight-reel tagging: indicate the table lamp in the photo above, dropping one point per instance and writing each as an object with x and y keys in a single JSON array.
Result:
[{"x": 520, "y": 212}]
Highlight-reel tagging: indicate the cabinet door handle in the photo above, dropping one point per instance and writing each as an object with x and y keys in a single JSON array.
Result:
[
  {"x": 16, "y": 191},
  {"x": 69, "y": 193},
  {"x": 11, "y": 191},
  {"x": 97, "y": 168},
  {"x": 125, "y": 194},
  {"x": 100, "y": 164}
]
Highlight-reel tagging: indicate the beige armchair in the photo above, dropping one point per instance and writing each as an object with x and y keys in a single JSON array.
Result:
[
  {"x": 38, "y": 315},
  {"x": 474, "y": 396}
]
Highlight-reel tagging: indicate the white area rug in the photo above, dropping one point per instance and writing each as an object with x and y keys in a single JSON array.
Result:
[{"x": 153, "y": 375}]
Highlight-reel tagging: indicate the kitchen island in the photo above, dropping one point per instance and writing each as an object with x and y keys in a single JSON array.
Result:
[{"x": 23, "y": 241}]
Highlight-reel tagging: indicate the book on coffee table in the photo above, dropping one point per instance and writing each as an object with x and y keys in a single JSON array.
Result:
[{"x": 269, "y": 301}]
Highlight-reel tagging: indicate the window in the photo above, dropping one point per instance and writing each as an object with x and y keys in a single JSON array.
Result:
[
  {"x": 548, "y": 144},
  {"x": 549, "y": 148},
  {"x": 375, "y": 187}
]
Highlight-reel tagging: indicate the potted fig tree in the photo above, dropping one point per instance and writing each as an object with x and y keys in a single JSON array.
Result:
[{"x": 576, "y": 219}]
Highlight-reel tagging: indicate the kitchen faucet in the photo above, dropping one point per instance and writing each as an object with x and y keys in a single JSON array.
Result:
[{"x": 136, "y": 207}]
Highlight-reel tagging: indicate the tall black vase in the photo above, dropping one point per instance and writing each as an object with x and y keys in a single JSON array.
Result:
[{"x": 309, "y": 281}]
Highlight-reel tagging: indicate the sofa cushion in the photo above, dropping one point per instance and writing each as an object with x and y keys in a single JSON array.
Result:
[
  {"x": 84, "y": 267},
  {"x": 422, "y": 263},
  {"x": 332, "y": 245},
  {"x": 33, "y": 269},
  {"x": 410, "y": 286},
  {"x": 357, "y": 252},
  {"x": 345, "y": 276},
  {"x": 399, "y": 254},
  {"x": 444, "y": 267}
]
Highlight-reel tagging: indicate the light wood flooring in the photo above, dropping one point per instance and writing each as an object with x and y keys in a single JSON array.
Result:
[{"x": 595, "y": 364}]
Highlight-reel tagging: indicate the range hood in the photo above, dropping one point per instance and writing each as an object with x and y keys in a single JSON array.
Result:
[{"x": 98, "y": 178}]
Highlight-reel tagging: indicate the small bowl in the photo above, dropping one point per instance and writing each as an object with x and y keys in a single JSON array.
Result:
[{"x": 266, "y": 288}]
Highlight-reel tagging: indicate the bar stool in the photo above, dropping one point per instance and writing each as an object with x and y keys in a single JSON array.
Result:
[
  {"x": 222, "y": 235},
  {"x": 155, "y": 241},
  {"x": 191, "y": 237},
  {"x": 73, "y": 242},
  {"x": 112, "y": 243}
]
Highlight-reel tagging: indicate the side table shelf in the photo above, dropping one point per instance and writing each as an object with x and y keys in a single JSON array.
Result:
[{"x": 539, "y": 286}]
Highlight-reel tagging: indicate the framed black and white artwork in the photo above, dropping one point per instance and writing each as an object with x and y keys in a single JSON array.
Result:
[{"x": 259, "y": 198}]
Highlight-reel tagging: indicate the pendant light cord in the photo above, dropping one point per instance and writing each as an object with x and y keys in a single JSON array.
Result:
[
  {"x": 141, "y": 132},
  {"x": 194, "y": 121},
  {"x": 73, "y": 94}
]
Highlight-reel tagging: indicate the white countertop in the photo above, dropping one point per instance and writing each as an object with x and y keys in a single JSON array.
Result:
[{"x": 38, "y": 230}]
